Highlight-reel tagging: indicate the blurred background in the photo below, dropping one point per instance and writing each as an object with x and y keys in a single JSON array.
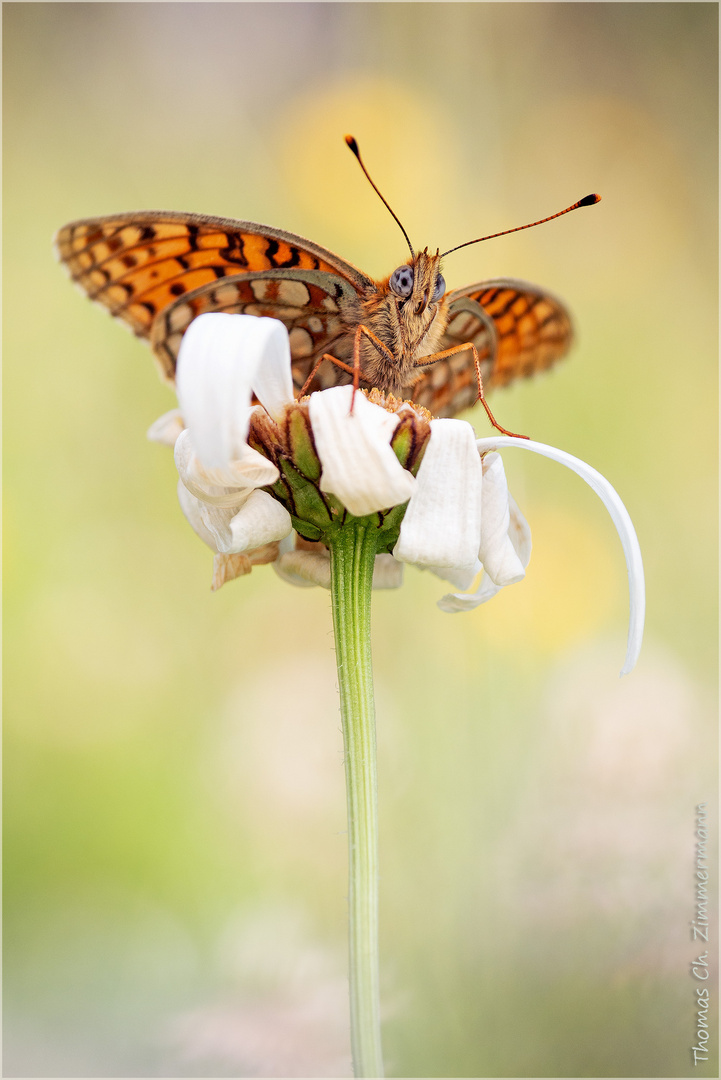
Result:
[{"x": 175, "y": 873}]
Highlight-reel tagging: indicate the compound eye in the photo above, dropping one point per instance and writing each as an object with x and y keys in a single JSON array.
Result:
[
  {"x": 402, "y": 281},
  {"x": 439, "y": 289}
]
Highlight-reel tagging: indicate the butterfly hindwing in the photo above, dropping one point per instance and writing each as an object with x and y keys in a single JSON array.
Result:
[
  {"x": 517, "y": 328},
  {"x": 313, "y": 305},
  {"x": 138, "y": 264}
]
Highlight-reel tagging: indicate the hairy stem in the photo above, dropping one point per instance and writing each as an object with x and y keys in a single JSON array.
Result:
[{"x": 352, "y": 556}]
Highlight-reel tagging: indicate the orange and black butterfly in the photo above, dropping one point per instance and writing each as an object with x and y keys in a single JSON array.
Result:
[{"x": 158, "y": 270}]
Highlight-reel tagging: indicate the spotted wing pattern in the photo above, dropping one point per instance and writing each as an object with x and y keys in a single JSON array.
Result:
[
  {"x": 140, "y": 265},
  {"x": 313, "y": 305},
  {"x": 517, "y": 329}
]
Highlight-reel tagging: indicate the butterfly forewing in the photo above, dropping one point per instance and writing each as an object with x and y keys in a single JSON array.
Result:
[
  {"x": 138, "y": 264},
  {"x": 517, "y": 328}
]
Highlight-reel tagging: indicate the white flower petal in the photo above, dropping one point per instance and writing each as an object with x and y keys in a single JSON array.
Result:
[
  {"x": 272, "y": 382},
  {"x": 250, "y": 470},
  {"x": 223, "y": 358},
  {"x": 268, "y": 553},
  {"x": 214, "y": 385},
  {"x": 304, "y": 568},
  {"x": 442, "y": 525},
  {"x": 167, "y": 428},
  {"x": 520, "y": 533},
  {"x": 460, "y": 576},
  {"x": 359, "y": 465},
  {"x": 497, "y": 553},
  {"x": 223, "y": 486},
  {"x": 520, "y": 537},
  {"x": 260, "y": 520},
  {"x": 620, "y": 518},
  {"x": 217, "y": 521},
  {"x": 287, "y": 543},
  {"x": 453, "y": 603},
  {"x": 387, "y": 572},
  {"x": 228, "y": 568},
  {"x": 206, "y": 493},
  {"x": 192, "y": 508}
]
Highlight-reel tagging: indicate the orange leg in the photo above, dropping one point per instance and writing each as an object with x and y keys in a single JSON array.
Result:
[
  {"x": 355, "y": 370},
  {"x": 333, "y": 360},
  {"x": 424, "y": 360},
  {"x": 377, "y": 343}
]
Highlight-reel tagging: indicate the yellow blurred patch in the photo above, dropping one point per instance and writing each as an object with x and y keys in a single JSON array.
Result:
[{"x": 410, "y": 161}]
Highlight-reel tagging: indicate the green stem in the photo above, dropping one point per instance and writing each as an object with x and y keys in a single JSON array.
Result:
[{"x": 352, "y": 556}]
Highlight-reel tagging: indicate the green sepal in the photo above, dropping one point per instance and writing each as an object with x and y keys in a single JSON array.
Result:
[
  {"x": 308, "y": 502},
  {"x": 402, "y": 441},
  {"x": 279, "y": 489},
  {"x": 392, "y": 520},
  {"x": 418, "y": 457},
  {"x": 301, "y": 445},
  {"x": 308, "y": 532}
]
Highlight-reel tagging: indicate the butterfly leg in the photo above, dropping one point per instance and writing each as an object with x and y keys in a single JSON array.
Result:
[
  {"x": 333, "y": 360},
  {"x": 380, "y": 347},
  {"x": 435, "y": 357},
  {"x": 355, "y": 370}
]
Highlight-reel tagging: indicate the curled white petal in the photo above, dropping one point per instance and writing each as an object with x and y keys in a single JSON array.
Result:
[
  {"x": 251, "y": 469},
  {"x": 225, "y": 485},
  {"x": 497, "y": 552},
  {"x": 217, "y": 520},
  {"x": 272, "y": 381},
  {"x": 214, "y": 385},
  {"x": 519, "y": 532},
  {"x": 222, "y": 360},
  {"x": 260, "y": 520},
  {"x": 304, "y": 568},
  {"x": 227, "y": 568},
  {"x": 619, "y": 516},
  {"x": 287, "y": 543},
  {"x": 387, "y": 572},
  {"x": 167, "y": 428},
  {"x": 520, "y": 537},
  {"x": 460, "y": 576},
  {"x": 359, "y": 465},
  {"x": 192, "y": 509},
  {"x": 442, "y": 525},
  {"x": 206, "y": 493}
]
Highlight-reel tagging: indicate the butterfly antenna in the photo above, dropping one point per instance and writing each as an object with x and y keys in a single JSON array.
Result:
[
  {"x": 351, "y": 142},
  {"x": 589, "y": 200}
]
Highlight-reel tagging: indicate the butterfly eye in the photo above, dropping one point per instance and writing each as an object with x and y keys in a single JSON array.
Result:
[
  {"x": 439, "y": 289},
  {"x": 402, "y": 281}
]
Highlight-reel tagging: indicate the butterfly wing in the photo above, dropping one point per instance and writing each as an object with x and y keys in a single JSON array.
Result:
[
  {"x": 315, "y": 306},
  {"x": 517, "y": 328},
  {"x": 146, "y": 266}
]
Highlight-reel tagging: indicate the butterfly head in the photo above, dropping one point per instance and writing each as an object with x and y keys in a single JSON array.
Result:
[{"x": 418, "y": 284}]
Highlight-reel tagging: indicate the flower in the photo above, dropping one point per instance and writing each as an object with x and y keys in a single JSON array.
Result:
[{"x": 272, "y": 482}]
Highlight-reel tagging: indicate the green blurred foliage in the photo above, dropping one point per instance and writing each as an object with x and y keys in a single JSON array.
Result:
[{"x": 174, "y": 810}]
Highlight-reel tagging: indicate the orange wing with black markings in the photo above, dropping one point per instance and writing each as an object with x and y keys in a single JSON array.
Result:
[
  {"x": 158, "y": 270},
  {"x": 158, "y": 265},
  {"x": 518, "y": 330}
]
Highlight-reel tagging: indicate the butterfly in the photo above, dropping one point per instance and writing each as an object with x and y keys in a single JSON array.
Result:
[{"x": 159, "y": 270}]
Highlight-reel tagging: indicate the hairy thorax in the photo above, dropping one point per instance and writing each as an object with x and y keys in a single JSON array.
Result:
[{"x": 410, "y": 328}]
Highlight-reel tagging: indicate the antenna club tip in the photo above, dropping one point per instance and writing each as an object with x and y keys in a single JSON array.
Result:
[
  {"x": 590, "y": 200},
  {"x": 353, "y": 145}
]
